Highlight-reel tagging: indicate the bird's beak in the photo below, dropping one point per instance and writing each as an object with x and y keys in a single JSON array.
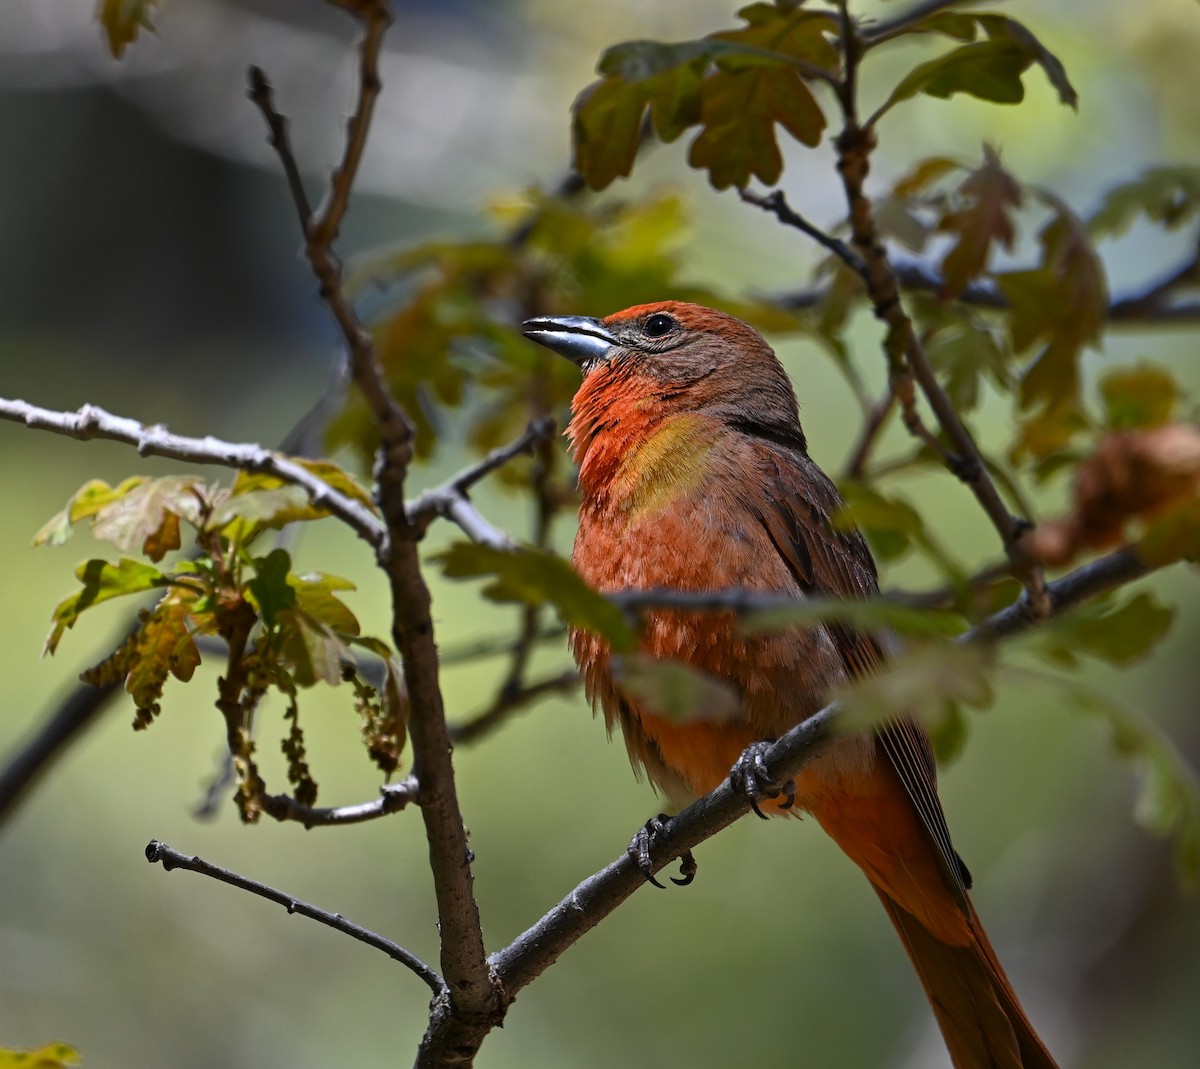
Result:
[{"x": 581, "y": 340}]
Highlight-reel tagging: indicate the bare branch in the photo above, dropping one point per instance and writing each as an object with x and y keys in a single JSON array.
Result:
[
  {"x": 93, "y": 422},
  {"x": 533, "y": 952},
  {"x": 393, "y": 797},
  {"x": 171, "y": 858},
  {"x": 872, "y": 426},
  {"x": 469, "y": 983},
  {"x": 30, "y": 759},
  {"x": 450, "y": 499}
]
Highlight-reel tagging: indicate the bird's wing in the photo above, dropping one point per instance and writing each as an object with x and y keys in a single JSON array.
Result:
[{"x": 837, "y": 563}]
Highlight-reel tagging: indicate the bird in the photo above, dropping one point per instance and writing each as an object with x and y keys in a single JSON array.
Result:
[{"x": 694, "y": 475}]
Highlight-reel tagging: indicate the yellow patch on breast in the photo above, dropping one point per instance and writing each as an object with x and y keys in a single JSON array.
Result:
[{"x": 667, "y": 463}]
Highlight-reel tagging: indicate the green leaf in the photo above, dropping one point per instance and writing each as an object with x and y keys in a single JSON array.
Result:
[
  {"x": 314, "y": 653},
  {"x": 51, "y": 1056},
  {"x": 990, "y": 70},
  {"x": 675, "y": 690},
  {"x": 961, "y": 356},
  {"x": 84, "y": 503},
  {"x": 1168, "y": 803},
  {"x": 1140, "y": 396},
  {"x": 1119, "y": 635},
  {"x": 607, "y": 126},
  {"x": 314, "y": 594},
  {"x": 871, "y": 615},
  {"x": 924, "y": 683},
  {"x": 535, "y": 577},
  {"x": 739, "y": 112},
  {"x": 270, "y": 590},
  {"x": 1168, "y": 196},
  {"x": 123, "y": 20},
  {"x": 102, "y": 581}
]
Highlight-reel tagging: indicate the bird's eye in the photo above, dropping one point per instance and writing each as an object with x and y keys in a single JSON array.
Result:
[{"x": 658, "y": 326}]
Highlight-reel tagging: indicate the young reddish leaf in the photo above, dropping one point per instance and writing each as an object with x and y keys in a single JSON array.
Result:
[
  {"x": 1140, "y": 396},
  {"x": 923, "y": 174},
  {"x": 675, "y": 690},
  {"x": 162, "y": 646},
  {"x": 102, "y": 581},
  {"x": 1169, "y": 196},
  {"x": 988, "y": 196},
  {"x": 123, "y": 20},
  {"x": 147, "y": 516},
  {"x": 536, "y": 577},
  {"x": 1131, "y": 475}
]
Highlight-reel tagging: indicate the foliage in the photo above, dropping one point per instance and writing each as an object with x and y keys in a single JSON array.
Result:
[
  {"x": 284, "y": 631},
  {"x": 51, "y": 1056},
  {"x": 1004, "y": 307}
]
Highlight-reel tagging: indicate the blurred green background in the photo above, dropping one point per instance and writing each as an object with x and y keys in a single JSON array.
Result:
[{"x": 150, "y": 265}]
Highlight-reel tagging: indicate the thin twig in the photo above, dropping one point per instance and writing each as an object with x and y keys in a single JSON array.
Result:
[
  {"x": 594, "y": 899},
  {"x": 903, "y": 346},
  {"x": 508, "y": 701},
  {"x": 94, "y": 422},
  {"x": 775, "y": 203},
  {"x": 393, "y": 797},
  {"x": 171, "y": 858},
  {"x": 876, "y": 420},
  {"x": 450, "y": 500}
]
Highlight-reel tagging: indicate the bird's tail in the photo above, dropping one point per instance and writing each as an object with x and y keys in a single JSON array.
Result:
[{"x": 977, "y": 1010}]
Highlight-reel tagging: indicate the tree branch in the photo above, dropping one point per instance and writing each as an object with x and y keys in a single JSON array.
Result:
[
  {"x": 156, "y": 441},
  {"x": 170, "y": 859},
  {"x": 471, "y": 992},
  {"x": 1151, "y": 306},
  {"x": 393, "y": 797},
  {"x": 775, "y": 203}
]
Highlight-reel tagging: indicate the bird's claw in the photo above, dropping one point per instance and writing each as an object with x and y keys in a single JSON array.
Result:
[
  {"x": 749, "y": 776},
  {"x": 641, "y": 845}
]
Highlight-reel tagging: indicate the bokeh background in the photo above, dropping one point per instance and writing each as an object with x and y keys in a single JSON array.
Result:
[{"x": 150, "y": 264}]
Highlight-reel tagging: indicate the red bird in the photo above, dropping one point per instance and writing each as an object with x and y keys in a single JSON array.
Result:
[{"x": 695, "y": 476}]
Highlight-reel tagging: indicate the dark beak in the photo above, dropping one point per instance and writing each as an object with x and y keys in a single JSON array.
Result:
[{"x": 581, "y": 340}]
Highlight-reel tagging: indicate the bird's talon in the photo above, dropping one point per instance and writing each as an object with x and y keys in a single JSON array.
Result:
[
  {"x": 641, "y": 845},
  {"x": 749, "y": 776},
  {"x": 687, "y": 869},
  {"x": 789, "y": 795}
]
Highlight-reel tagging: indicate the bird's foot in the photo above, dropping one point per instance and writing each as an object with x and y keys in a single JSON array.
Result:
[
  {"x": 641, "y": 845},
  {"x": 749, "y": 777}
]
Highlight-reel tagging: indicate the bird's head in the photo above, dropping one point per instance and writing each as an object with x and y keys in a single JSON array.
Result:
[{"x": 672, "y": 358}]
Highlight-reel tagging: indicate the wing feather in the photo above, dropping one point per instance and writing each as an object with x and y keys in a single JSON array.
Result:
[{"x": 837, "y": 563}]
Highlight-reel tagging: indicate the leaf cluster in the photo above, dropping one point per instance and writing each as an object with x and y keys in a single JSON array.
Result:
[{"x": 283, "y": 631}]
